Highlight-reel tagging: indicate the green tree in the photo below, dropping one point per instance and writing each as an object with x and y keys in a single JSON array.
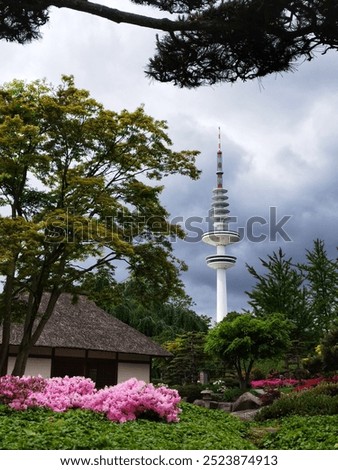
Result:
[
  {"x": 280, "y": 289},
  {"x": 205, "y": 42},
  {"x": 189, "y": 358},
  {"x": 321, "y": 274},
  {"x": 245, "y": 339},
  {"x": 75, "y": 182}
]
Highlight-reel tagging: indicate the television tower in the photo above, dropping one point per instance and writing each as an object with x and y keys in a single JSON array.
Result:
[{"x": 220, "y": 237}]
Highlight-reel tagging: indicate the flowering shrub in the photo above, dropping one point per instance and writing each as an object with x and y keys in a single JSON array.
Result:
[
  {"x": 310, "y": 383},
  {"x": 62, "y": 393},
  {"x": 298, "y": 384},
  {"x": 273, "y": 383},
  {"x": 15, "y": 391},
  {"x": 123, "y": 402},
  {"x": 126, "y": 401}
]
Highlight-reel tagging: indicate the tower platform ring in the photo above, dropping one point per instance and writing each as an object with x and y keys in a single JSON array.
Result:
[
  {"x": 220, "y": 237},
  {"x": 220, "y": 261}
]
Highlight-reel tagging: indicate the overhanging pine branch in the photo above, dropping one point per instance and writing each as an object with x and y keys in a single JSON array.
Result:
[{"x": 117, "y": 16}]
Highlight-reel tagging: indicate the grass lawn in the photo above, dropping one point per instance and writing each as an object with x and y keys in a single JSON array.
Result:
[{"x": 198, "y": 429}]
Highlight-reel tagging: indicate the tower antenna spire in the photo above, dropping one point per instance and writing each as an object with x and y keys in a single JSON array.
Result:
[
  {"x": 220, "y": 236},
  {"x": 219, "y": 172}
]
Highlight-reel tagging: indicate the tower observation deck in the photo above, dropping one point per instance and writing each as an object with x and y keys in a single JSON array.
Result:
[{"x": 220, "y": 236}]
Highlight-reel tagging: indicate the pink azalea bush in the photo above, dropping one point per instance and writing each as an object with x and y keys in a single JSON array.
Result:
[
  {"x": 126, "y": 401},
  {"x": 15, "y": 391},
  {"x": 123, "y": 402},
  {"x": 310, "y": 383},
  {"x": 298, "y": 384},
  {"x": 273, "y": 383},
  {"x": 62, "y": 393}
]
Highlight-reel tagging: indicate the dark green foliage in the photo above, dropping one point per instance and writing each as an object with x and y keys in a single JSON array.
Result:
[
  {"x": 313, "y": 364},
  {"x": 77, "y": 429},
  {"x": 207, "y": 41},
  {"x": 245, "y": 339},
  {"x": 302, "y": 433},
  {"x": 325, "y": 388},
  {"x": 280, "y": 289},
  {"x": 21, "y": 20},
  {"x": 306, "y": 294},
  {"x": 257, "y": 374},
  {"x": 321, "y": 276},
  {"x": 188, "y": 360},
  {"x": 231, "y": 394},
  {"x": 317, "y": 401},
  {"x": 190, "y": 392},
  {"x": 329, "y": 349},
  {"x": 245, "y": 40}
]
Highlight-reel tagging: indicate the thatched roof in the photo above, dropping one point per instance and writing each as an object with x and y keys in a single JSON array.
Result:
[{"x": 83, "y": 325}]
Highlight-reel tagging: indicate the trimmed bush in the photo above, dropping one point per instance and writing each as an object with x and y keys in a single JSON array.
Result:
[
  {"x": 325, "y": 388},
  {"x": 190, "y": 392},
  {"x": 231, "y": 394},
  {"x": 303, "y": 403}
]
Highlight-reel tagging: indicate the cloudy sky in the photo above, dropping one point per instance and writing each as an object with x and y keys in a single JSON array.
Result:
[{"x": 279, "y": 141}]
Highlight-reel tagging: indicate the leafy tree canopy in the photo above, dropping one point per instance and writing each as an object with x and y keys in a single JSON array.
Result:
[
  {"x": 78, "y": 190},
  {"x": 245, "y": 339},
  {"x": 205, "y": 42}
]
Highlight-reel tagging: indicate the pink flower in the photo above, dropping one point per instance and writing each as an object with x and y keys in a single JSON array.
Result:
[{"x": 123, "y": 402}]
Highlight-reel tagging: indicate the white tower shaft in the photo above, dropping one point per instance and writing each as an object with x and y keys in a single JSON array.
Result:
[
  {"x": 222, "y": 301},
  {"x": 221, "y": 289},
  {"x": 220, "y": 236}
]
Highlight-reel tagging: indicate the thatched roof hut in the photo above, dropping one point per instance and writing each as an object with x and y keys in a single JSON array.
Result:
[{"x": 82, "y": 339}]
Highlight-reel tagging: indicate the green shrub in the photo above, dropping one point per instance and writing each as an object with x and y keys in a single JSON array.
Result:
[
  {"x": 257, "y": 374},
  {"x": 190, "y": 392},
  {"x": 302, "y": 403},
  {"x": 325, "y": 388},
  {"x": 231, "y": 394},
  {"x": 314, "y": 364},
  {"x": 230, "y": 379}
]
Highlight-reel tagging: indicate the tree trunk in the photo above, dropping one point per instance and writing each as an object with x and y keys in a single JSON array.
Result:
[
  {"x": 21, "y": 359},
  {"x": 7, "y": 317},
  {"x": 30, "y": 337}
]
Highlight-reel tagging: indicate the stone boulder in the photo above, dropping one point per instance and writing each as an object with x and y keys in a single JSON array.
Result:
[
  {"x": 199, "y": 403},
  {"x": 247, "y": 401}
]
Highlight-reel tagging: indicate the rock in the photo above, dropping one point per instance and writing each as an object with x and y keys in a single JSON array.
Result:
[
  {"x": 199, "y": 403},
  {"x": 245, "y": 415},
  {"x": 225, "y": 406},
  {"x": 213, "y": 405},
  {"x": 247, "y": 401}
]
